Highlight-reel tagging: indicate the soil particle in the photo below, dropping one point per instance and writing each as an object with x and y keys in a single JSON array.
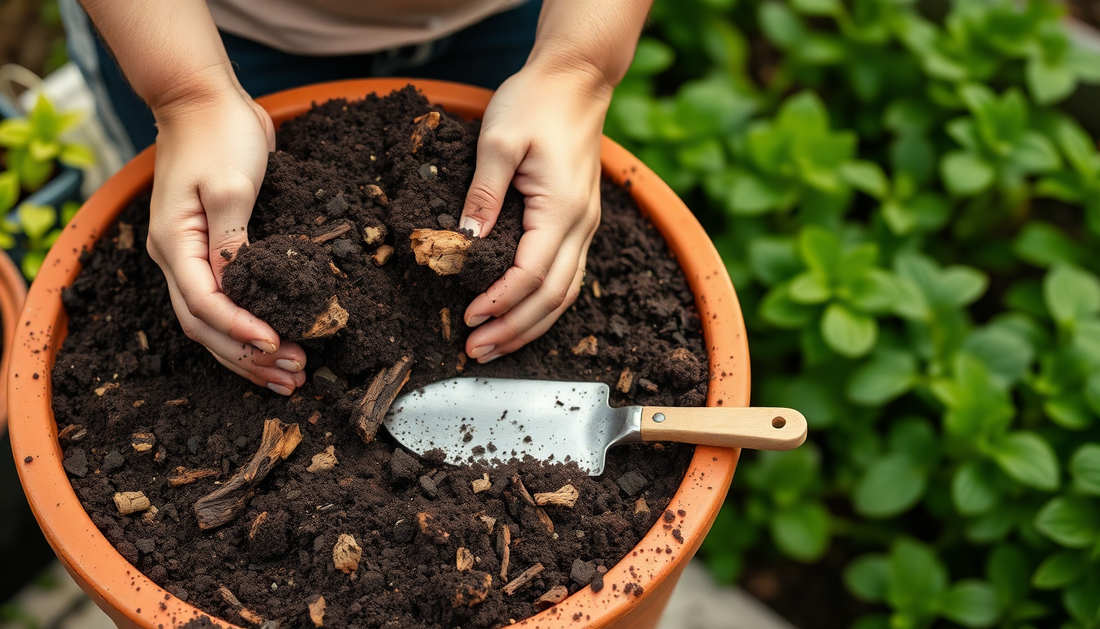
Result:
[
  {"x": 406, "y": 575},
  {"x": 632, "y": 482}
]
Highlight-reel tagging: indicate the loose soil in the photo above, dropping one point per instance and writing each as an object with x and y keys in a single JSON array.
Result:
[{"x": 386, "y": 538}]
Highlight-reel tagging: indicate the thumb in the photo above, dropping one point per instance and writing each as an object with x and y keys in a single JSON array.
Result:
[
  {"x": 228, "y": 206},
  {"x": 496, "y": 165}
]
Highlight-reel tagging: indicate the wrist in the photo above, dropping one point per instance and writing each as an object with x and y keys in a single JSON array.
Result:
[
  {"x": 201, "y": 91},
  {"x": 562, "y": 61}
]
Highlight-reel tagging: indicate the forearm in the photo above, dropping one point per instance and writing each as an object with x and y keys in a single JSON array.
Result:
[
  {"x": 591, "y": 39},
  {"x": 169, "y": 50}
]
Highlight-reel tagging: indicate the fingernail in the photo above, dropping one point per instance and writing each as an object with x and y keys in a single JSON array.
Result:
[
  {"x": 265, "y": 346},
  {"x": 478, "y": 352},
  {"x": 278, "y": 388},
  {"x": 472, "y": 225},
  {"x": 473, "y": 322},
  {"x": 490, "y": 358},
  {"x": 288, "y": 365}
]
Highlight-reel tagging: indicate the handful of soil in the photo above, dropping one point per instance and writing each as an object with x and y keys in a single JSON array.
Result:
[{"x": 255, "y": 507}]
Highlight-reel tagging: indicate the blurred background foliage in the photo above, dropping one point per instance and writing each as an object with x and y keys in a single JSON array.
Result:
[{"x": 908, "y": 201}]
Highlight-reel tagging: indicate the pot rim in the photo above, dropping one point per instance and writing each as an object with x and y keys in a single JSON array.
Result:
[
  {"x": 131, "y": 597},
  {"x": 13, "y": 292}
]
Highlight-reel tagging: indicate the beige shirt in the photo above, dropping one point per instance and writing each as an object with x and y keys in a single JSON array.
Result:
[{"x": 344, "y": 27}]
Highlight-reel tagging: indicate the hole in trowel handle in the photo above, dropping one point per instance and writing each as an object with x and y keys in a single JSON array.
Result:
[{"x": 779, "y": 422}]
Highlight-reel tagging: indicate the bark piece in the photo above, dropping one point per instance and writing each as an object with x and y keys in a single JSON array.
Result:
[
  {"x": 546, "y": 521},
  {"x": 464, "y": 559},
  {"x": 641, "y": 506},
  {"x": 481, "y": 484},
  {"x": 523, "y": 579},
  {"x": 564, "y": 497},
  {"x": 143, "y": 340},
  {"x": 443, "y": 251},
  {"x": 472, "y": 590},
  {"x": 424, "y": 123},
  {"x": 489, "y": 522},
  {"x": 110, "y": 386},
  {"x": 378, "y": 196},
  {"x": 346, "y": 554},
  {"x": 317, "y": 612},
  {"x": 143, "y": 441},
  {"x": 379, "y": 397},
  {"x": 460, "y": 365},
  {"x": 517, "y": 482},
  {"x": 382, "y": 255},
  {"x": 125, "y": 236},
  {"x": 331, "y": 321},
  {"x": 431, "y": 528},
  {"x": 256, "y": 524},
  {"x": 632, "y": 482},
  {"x": 374, "y": 234},
  {"x": 332, "y": 234},
  {"x": 586, "y": 346},
  {"x": 236, "y": 604},
  {"x": 177, "y": 402},
  {"x": 596, "y": 291},
  {"x": 555, "y": 595},
  {"x": 626, "y": 378},
  {"x": 504, "y": 547},
  {"x": 325, "y": 460},
  {"x": 445, "y": 323},
  {"x": 183, "y": 476},
  {"x": 68, "y": 432},
  {"x": 277, "y": 443},
  {"x": 128, "y": 502}
]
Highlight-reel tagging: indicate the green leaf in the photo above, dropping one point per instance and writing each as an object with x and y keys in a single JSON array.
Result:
[
  {"x": 817, "y": 7},
  {"x": 752, "y": 194},
  {"x": 1072, "y": 521},
  {"x": 1034, "y": 153},
  {"x": 652, "y": 56},
  {"x": 924, "y": 212},
  {"x": 778, "y": 309},
  {"x": 971, "y": 603},
  {"x": 1044, "y": 245},
  {"x": 866, "y": 177},
  {"x": 1049, "y": 83},
  {"x": 68, "y": 211},
  {"x": 9, "y": 190},
  {"x": 966, "y": 174},
  {"x": 891, "y": 486},
  {"x": 809, "y": 288},
  {"x": 1084, "y": 468},
  {"x": 801, "y": 531},
  {"x": 874, "y": 291},
  {"x": 1071, "y": 294},
  {"x": 804, "y": 114},
  {"x": 1029, "y": 459},
  {"x": 888, "y": 374},
  {"x": 43, "y": 151},
  {"x": 918, "y": 579},
  {"x": 821, "y": 251},
  {"x": 1069, "y": 410},
  {"x": 867, "y": 577},
  {"x": 44, "y": 120},
  {"x": 912, "y": 154},
  {"x": 1007, "y": 568},
  {"x": 974, "y": 488},
  {"x": 1004, "y": 351},
  {"x": 31, "y": 264},
  {"x": 847, "y": 332},
  {"x": 15, "y": 132},
  {"x": 34, "y": 173},
  {"x": 77, "y": 156},
  {"x": 780, "y": 24},
  {"x": 36, "y": 220},
  {"x": 1078, "y": 147},
  {"x": 1059, "y": 570},
  {"x": 774, "y": 259},
  {"x": 960, "y": 286}
]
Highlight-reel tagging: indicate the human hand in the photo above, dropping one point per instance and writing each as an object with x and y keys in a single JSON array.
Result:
[
  {"x": 541, "y": 133},
  {"x": 211, "y": 157}
]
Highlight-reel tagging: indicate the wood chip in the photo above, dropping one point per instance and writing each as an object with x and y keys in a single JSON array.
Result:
[
  {"x": 150, "y": 515},
  {"x": 626, "y": 379},
  {"x": 317, "y": 612},
  {"x": 481, "y": 484},
  {"x": 322, "y": 461},
  {"x": 557, "y": 594},
  {"x": 378, "y": 196},
  {"x": 122, "y": 279},
  {"x": 473, "y": 589},
  {"x": 522, "y": 579},
  {"x": 546, "y": 521},
  {"x": 586, "y": 346},
  {"x": 379, "y": 397},
  {"x": 336, "y": 270},
  {"x": 373, "y": 234},
  {"x": 464, "y": 559},
  {"x": 596, "y": 289},
  {"x": 329, "y": 322},
  {"x": 316, "y": 415},
  {"x": 68, "y": 431},
  {"x": 332, "y": 234},
  {"x": 183, "y": 476},
  {"x": 256, "y": 524},
  {"x": 461, "y": 364},
  {"x": 489, "y": 522},
  {"x": 431, "y": 528},
  {"x": 382, "y": 255},
  {"x": 128, "y": 502},
  {"x": 177, "y": 402},
  {"x": 125, "y": 236},
  {"x": 110, "y": 386},
  {"x": 143, "y": 441},
  {"x": 641, "y": 506},
  {"x": 517, "y": 483},
  {"x": 564, "y": 497},
  {"x": 424, "y": 124},
  {"x": 223, "y": 505},
  {"x": 442, "y": 250},
  {"x": 242, "y": 611},
  {"x": 143, "y": 340},
  {"x": 346, "y": 554},
  {"x": 445, "y": 323},
  {"x": 504, "y": 542}
]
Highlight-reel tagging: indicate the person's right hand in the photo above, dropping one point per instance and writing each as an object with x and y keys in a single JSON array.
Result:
[{"x": 211, "y": 157}]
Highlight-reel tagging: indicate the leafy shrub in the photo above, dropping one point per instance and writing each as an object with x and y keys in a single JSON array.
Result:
[
  {"x": 33, "y": 145},
  {"x": 907, "y": 217}
]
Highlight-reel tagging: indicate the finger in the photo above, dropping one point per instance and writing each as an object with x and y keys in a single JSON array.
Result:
[
  {"x": 538, "y": 249},
  {"x": 538, "y": 328},
  {"x": 497, "y": 161},
  {"x": 228, "y": 203}
]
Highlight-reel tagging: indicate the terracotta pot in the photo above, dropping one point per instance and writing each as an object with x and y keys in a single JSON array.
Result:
[
  {"x": 13, "y": 291},
  {"x": 132, "y": 600}
]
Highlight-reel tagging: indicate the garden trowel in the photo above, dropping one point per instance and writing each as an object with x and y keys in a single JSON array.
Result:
[{"x": 482, "y": 420}]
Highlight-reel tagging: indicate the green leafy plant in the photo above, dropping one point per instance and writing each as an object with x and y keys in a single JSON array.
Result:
[
  {"x": 35, "y": 228},
  {"x": 909, "y": 220},
  {"x": 34, "y": 144}
]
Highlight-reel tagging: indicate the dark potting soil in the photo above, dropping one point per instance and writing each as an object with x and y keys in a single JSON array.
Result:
[{"x": 142, "y": 408}]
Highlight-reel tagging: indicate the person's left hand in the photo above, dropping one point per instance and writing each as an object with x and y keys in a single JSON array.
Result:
[{"x": 541, "y": 133}]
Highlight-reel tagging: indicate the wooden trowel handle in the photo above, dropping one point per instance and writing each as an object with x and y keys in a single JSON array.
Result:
[{"x": 759, "y": 428}]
